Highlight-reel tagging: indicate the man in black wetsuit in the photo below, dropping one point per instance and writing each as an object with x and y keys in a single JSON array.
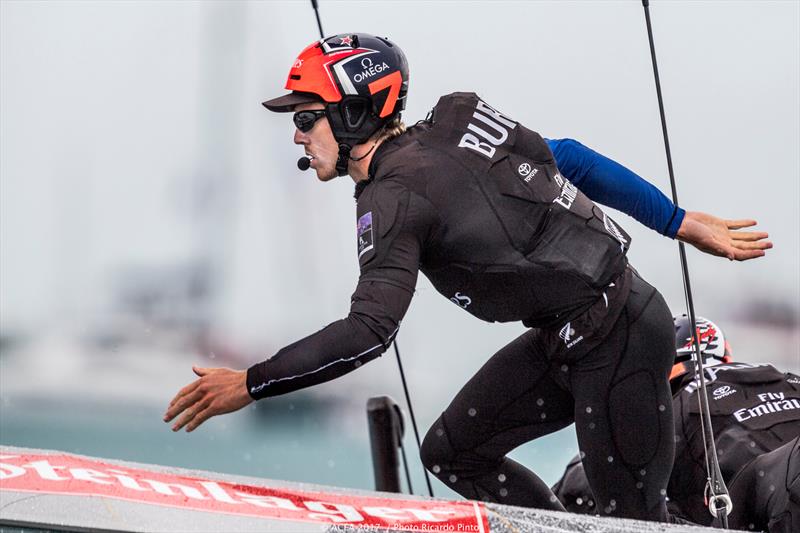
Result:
[
  {"x": 755, "y": 412},
  {"x": 476, "y": 201}
]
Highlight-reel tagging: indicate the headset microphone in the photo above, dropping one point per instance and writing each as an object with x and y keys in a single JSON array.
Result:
[{"x": 303, "y": 163}]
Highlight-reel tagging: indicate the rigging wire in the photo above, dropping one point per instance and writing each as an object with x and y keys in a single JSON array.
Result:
[{"x": 719, "y": 504}]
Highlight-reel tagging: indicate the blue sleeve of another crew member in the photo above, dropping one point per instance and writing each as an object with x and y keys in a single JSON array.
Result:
[{"x": 609, "y": 183}]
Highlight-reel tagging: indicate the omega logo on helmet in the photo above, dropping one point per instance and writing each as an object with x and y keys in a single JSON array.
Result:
[{"x": 370, "y": 71}]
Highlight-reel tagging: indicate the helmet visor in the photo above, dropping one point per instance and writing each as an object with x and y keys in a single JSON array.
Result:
[{"x": 287, "y": 102}]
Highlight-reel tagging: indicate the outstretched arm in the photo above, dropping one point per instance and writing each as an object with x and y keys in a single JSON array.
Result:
[
  {"x": 389, "y": 236},
  {"x": 332, "y": 352},
  {"x": 609, "y": 183}
]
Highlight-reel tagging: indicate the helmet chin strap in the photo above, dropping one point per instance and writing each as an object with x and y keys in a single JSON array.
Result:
[{"x": 344, "y": 158}]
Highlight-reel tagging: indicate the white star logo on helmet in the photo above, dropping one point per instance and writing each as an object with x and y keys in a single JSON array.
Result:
[{"x": 346, "y": 40}]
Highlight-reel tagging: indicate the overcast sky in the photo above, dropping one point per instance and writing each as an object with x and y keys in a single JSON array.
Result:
[{"x": 131, "y": 134}]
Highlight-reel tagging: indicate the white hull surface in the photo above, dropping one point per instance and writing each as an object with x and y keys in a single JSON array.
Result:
[{"x": 66, "y": 492}]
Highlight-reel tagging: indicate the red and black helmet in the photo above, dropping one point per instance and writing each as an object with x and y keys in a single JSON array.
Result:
[
  {"x": 713, "y": 346},
  {"x": 362, "y": 79}
]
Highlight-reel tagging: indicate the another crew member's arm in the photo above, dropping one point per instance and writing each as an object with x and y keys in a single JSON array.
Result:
[{"x": 609, "y": 183}]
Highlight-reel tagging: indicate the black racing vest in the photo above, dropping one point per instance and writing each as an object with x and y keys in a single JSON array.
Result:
[
  {"x": 754, "y": 409},
  {"x": 514, "y": 240}
]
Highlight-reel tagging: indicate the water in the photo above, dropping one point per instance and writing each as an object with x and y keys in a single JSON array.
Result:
[
  {"x": 59, "y": 393},
  {"x": 63, "y": 395},
  {"x": 296, "y": 438}
]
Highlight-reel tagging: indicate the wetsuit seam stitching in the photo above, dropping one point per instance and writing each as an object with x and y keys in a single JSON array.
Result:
[{"x": 641, "y": 312}]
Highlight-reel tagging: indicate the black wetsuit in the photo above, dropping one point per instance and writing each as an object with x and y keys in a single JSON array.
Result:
[
  {"x": 474, "y": 200},
  {"x": 756, "y": 418}
]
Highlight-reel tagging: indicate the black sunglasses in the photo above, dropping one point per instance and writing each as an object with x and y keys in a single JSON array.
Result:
[{"x": 305, "y": 120}]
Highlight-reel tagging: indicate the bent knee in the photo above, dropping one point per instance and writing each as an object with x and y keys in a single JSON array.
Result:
[{"x": 436, "y": 452}]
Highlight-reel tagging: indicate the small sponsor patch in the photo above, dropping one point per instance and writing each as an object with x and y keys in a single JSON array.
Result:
[
  {"x": 365, "y": 243},
  {"x": 568, "y": 192},
  {"x": 461, "y": 300},
  {"x": 527, "y": 171},
  {"x": 613, "y": 230},
  {"x": 567, "y": 333},
  {"x": 723, "y": 391}
]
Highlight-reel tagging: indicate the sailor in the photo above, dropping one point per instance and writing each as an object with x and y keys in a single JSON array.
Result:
[
  {"x": 507, "y": 231},
  {"x": 755, "y": 412}
]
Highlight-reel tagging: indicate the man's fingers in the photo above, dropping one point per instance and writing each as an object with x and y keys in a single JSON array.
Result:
[
  {"x": 728, "y": 252},
  {"x": 744, "y": 255},
  {"x": 184, "y": 391},
  {"x": 190, "y": 414},
  {"x": 738, "y": 224},
  {"x": 219, "y": 390},
  {"x": 185, "y": 402},
  {"x": 719, "y": 237},
  {"x": 758, "y": 245},
  {"x": 742, "y": 250},
  {"x": 748, "y": 235},
  {"x": 201, "y": 417}
]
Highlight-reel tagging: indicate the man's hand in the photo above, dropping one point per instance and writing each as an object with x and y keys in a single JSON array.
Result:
[
  {"x": 716, "y": 236},
  {"x": 218, "y": 391}
]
